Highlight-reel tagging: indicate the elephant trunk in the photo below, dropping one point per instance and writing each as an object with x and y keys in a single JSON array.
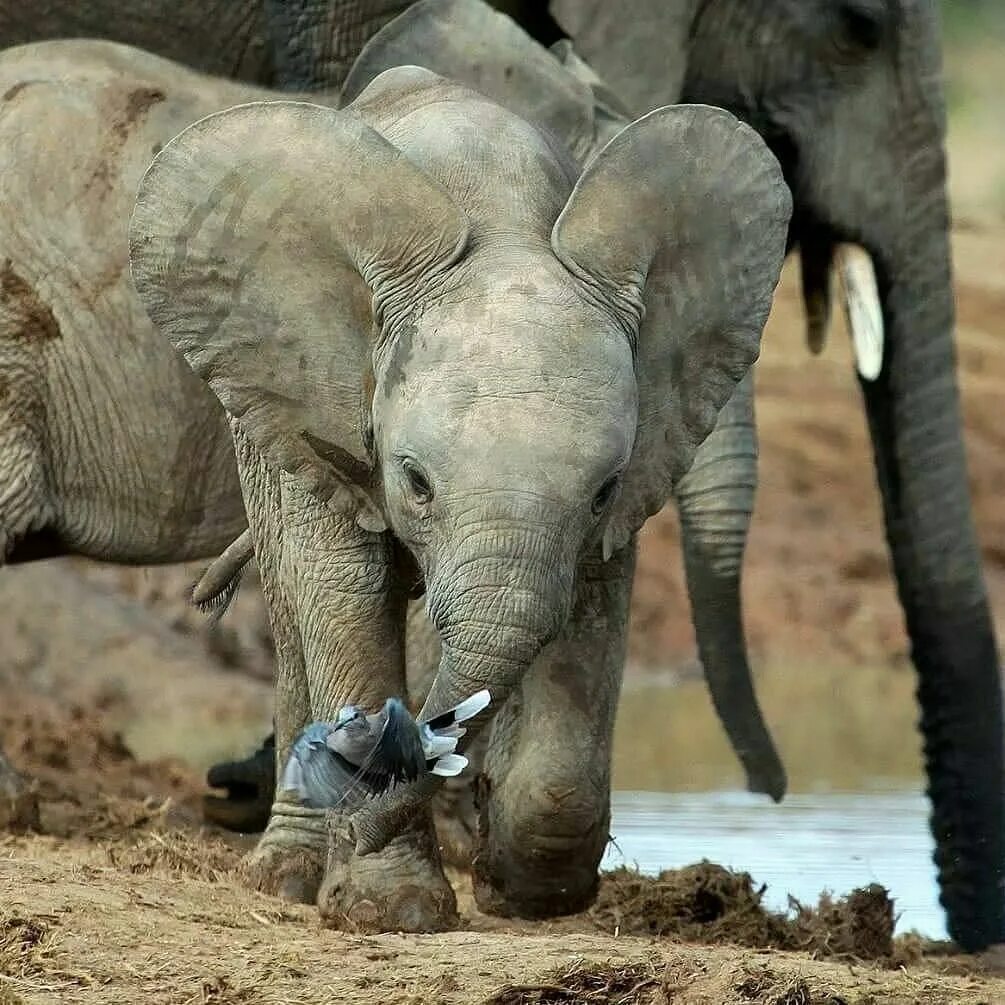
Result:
[
  {"x": 495, "y": 607},
  {"x": 915, "y": 422},
  {"x": 315, "y": 42},
  {"x": 716, "y": 499},
  {"x": 496, "y": 603}
]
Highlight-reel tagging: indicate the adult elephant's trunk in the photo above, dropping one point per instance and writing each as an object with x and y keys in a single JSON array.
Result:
[
  {"x": 315, "y": 42},
  {"x": 915, "y": 422},
  {"x": 716, "y": 499},
  {"x": 496, "y": 603}
]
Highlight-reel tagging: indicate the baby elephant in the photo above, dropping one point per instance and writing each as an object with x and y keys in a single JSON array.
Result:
[{"x": 454, "y": 363}]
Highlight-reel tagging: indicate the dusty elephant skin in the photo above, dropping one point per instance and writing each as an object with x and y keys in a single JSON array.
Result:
[
  {"x": 470, "y": 42},
  {"x": 288, "y": 44},
  {"x": 129, "y": 495},
  {"x": 391, "y": 311}
]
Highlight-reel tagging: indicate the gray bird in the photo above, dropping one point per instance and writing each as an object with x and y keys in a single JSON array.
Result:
[{"x": 362, "y": 754}]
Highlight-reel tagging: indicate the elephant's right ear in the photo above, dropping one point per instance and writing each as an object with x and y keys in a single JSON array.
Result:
[
  {"x": 261, "y": 238},
  {"x": 680, "y": 223}
]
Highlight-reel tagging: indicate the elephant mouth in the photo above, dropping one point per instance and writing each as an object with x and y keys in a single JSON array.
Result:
[{"x": 822, "y": 258}]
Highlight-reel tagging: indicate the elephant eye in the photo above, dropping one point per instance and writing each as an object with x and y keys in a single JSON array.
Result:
[
  {"x": 418, "y": 482},
  {"x": 603, "y": 498},
  {"x": 862, "y": 24}
]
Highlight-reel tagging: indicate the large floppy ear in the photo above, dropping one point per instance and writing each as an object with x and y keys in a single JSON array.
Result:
[
  {"x": 680, "y": 225},
  {"x": 468, "y": 41},
  {"x": 261, "y": 239}
]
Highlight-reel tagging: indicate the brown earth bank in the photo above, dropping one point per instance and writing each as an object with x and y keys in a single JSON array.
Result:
[{"x": 127, "y": 899}]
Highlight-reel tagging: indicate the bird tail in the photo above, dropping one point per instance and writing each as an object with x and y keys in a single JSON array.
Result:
[
  {"x": 467, "y": 709},
  {"x": 441, "y": 734}
]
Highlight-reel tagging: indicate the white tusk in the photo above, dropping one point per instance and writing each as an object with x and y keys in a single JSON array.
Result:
[{"x": 860, "y": 296}]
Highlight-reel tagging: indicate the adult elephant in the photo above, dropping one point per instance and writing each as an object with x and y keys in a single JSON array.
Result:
[
  {"x": 160, "y": 483},
  {"x": 448, "y": 360},
  {"x": 287, "y": 44},
  {"x": 848, "y": 94}
]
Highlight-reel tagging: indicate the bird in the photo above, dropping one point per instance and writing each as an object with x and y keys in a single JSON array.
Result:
[{"x": 370, "y": 754}]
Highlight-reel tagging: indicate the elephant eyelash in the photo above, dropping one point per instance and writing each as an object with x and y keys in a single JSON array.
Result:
[
  {"x": 605, "y": 494},
  {"x": 418, "y": 481}
]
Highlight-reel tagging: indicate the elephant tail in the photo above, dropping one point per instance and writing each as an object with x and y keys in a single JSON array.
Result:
[{"x": 219, "y": 584}]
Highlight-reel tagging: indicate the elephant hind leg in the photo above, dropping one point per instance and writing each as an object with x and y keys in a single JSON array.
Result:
[{"x": 26, "y": 510}]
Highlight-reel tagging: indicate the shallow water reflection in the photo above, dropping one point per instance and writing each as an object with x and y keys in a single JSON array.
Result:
[{"x": 806, "y": 844}]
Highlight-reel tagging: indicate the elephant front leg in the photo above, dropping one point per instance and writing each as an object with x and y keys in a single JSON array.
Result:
[
  {"x": 289, "y": 859},
  {"x": 544, "y": 796},
  {"x": 18, "y": 801},
  {"x": 350, "y": 614}
]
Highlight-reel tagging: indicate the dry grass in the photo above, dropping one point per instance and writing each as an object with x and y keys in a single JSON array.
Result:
[
  {"x": 588, "y": 983},
  {"x": 201, "y": 856},
  {"x": 680, "y": 979},
  {"x": 158, "y": 917}
]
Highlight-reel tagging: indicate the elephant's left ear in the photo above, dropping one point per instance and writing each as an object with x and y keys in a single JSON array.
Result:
[{"x": 680, "y": 224}]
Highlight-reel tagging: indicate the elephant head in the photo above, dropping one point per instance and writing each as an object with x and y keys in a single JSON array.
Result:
[
  {"x": 472, "y": 43},
  {"x": 413, "y": 307}
]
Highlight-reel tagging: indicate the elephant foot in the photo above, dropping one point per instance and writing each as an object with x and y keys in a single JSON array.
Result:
[
  {"x": 399, "y": 889},
  {"x": 513, "y": 897},
  {"x": 18, "y": 801},
  {"x": 537, "y": 856},
  {"x": 250, "y": 786},
  {"x": 289, "y": 860}
]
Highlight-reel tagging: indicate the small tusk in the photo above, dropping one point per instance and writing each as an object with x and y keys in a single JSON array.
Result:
[{"x": 862, "y": 308}]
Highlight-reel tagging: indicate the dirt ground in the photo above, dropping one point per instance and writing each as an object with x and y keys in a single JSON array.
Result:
[
  {"x": 126, "y": 899},
  {"x": 106, "y": 675}
]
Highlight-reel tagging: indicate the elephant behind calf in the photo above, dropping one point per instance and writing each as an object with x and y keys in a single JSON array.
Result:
[{"x": 849, "y": 95}]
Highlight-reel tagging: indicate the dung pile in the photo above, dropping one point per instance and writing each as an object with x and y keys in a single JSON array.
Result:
[{"x": 709, "y": 903}]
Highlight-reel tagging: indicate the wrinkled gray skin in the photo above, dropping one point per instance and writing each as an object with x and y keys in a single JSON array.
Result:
[
  {"x": 468, "y": 41},
  {"x": 288, "y": 44},
  {"x": 849, "y": 96},
  {"x": 436, "y": 366},
  {"x": 95, "y": 461}
]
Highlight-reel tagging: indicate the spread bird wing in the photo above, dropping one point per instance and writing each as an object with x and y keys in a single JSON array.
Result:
[
  {"x": 467, "y": 709},
  {"x": 398, "y": 755}
]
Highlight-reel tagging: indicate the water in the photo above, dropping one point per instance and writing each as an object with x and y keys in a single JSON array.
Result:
[{"x": 804, "y": 845}]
